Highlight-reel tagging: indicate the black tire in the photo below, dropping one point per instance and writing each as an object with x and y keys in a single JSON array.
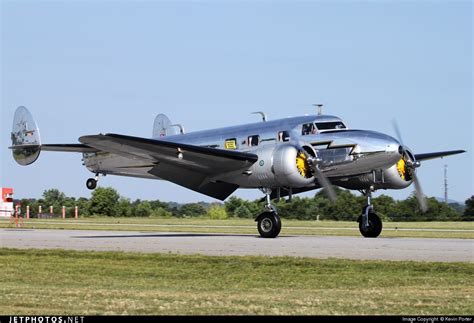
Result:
[
  {"x": 375, "y": 226},
  {"x": 91, "y": 183},
  {"x": 269, "y": 225}
]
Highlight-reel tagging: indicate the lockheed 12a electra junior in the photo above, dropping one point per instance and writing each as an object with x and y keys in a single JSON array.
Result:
[{"x": 279, "y": 157}]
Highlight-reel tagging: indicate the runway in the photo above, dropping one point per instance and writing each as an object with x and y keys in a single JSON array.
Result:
[{"x": 322, "y": 247}]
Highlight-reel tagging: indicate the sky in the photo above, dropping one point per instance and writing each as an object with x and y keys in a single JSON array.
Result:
[{"x": 89, "y": 67}]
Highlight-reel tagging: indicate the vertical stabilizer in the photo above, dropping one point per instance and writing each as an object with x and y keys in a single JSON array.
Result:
[
  {"x": 162, "y": 127},
  {"x": 25, "y": 136}
]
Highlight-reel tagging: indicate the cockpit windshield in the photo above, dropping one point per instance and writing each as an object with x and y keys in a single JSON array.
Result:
[
  {"x": 330, "y": 125},
  {"x": 308, "y": 129}
]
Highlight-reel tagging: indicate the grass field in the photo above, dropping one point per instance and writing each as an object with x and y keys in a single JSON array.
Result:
[
  {"x": 35, "y": 282},
  {"x": 290, "y": 227}
]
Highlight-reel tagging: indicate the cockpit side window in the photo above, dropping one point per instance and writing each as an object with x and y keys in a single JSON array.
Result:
[
  {"x": 308, "y": 129},
  {"x": 283, "y": 136},
  {"x": 330, "y": 125},
  {"x": 253, "y": 140}
]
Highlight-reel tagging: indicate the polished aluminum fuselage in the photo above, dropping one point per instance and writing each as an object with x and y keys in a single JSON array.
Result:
[{"x": 343, "y": 153}]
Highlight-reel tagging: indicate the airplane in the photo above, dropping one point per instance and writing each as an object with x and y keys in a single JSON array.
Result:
[{"x": 279, "y": 157}]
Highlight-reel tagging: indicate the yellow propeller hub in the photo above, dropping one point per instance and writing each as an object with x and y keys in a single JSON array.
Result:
[
  {"x": 302, "y": 165},
  {"x": 401, "y": 168}
]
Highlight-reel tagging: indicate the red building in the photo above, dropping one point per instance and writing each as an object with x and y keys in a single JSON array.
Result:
[{"x": 6, "y": 202}]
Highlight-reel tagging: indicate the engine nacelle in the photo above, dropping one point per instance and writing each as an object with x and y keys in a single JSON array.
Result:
[
  {"x": 290, "y": 166},
  {"x": 282, "y": 165},
  {"x": 399, "y": 176}
]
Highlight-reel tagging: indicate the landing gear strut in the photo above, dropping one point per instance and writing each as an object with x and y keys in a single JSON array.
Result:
[
  {"x": 269, "y": 223},
  {"x": 370, "y": 225},
  {"x": 92, "y": 182}
]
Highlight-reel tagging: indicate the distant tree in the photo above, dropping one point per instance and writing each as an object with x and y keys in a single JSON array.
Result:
[
  {"x": 243, "y": 212},
  {"x": 469, "y": 210},
  {"x": 157, "y": 204},
  {"x": 298, "y": 208},
  {"x": 175, "y": 211},
  {"x": 104, "y": 201},
  {"x": 409, "y": 210},
  {"x": 83, "y": 206},
  {"x": 217, "y": 212},
  {"x": 143, "y": 209},
  {"x": 232, "y": 204},
  {"x": 55, "y": 198},
  {"x": 124, "y": 207},
  {"x": 347, "y": 206},
  {"x": 440, "y": 211},
  {"x": 384, "y": 206},
  {"x": 192, "y": 210},
  {"x": 458, "y": 207},
  {"x": 238, "y": 207},
  {"x": 53, "y": 195},
  {"x": 161, "y": 213}
]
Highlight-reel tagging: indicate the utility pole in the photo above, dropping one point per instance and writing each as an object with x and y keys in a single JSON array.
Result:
[{"x": 446, "y": 184}]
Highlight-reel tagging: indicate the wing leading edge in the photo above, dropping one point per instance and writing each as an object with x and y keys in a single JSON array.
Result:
[
  {"x": 198, "y": 169},
  {"x": 441, "y": 154}
]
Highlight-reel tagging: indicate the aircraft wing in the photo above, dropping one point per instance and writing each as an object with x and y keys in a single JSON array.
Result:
[
  {"x": 441, "y": 154},
  {"x": 198, "y": 170}
]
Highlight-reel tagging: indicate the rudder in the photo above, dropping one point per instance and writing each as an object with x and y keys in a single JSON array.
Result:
[
  {"x": 25, "y": 136},
  {"x": 162, "y": 127}
]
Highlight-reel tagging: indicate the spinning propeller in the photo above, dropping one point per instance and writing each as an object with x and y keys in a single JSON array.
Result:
[
  {"x": 412, "y": 165},
  {"x": 311, "y": 162}
]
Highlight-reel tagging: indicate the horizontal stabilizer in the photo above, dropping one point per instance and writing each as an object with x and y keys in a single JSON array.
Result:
[
  {"x": 26, "y": 141},
  {"x": 69, "y": 148}
]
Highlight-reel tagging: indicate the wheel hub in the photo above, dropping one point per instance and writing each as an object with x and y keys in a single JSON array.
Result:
[{"x": 266, "y": 225}]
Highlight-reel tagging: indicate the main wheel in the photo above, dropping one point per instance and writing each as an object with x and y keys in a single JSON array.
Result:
[
  {"x": 375, "y": 226},
  {"x": 269, "y": 225},
  {"x": 91, "y": 183}
]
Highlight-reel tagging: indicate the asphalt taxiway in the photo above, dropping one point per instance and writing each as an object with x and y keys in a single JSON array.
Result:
[{"x": 323, "y": 247}]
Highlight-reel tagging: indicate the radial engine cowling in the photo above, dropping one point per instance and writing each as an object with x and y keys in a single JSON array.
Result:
[
  {"x": 283, "y": 165},
  {"x": 399, "y": 176}
]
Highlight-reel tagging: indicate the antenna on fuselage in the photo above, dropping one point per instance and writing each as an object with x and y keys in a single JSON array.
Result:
[
  {"x": 320, "y": 108},
  {"x": 264, "y": 116}
]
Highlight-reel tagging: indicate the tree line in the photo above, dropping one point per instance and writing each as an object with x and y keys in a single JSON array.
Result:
[{"x": 108, "y": 202}]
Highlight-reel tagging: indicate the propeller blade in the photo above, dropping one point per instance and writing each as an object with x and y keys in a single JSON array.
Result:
[
  {"x": 419, "y": 194},
  {"x": 326, "y": 184},
  {"x": 322, "y": 179},
  {"x": 419, "y": 191},
  {"x": 397, "y": 131}
]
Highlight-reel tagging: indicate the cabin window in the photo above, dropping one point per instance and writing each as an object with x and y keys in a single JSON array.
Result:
[
  {"x": 284, "y": 136},
  {"x": 330, "y": 125},
  {"x": 308, "y": 129},
  {"x": 253, "y": 140},
  {"x": 230, "y": 143}
]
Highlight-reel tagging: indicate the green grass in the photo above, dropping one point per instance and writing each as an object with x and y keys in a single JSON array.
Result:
[
  {"x": 248, "y": 226},
  {"x": 35, "y": 282}
]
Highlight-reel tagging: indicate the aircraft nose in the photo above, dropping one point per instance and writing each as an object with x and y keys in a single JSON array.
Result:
[
  {"x": 379, "y": 145},
  {"x": 376, "y": 141}
]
